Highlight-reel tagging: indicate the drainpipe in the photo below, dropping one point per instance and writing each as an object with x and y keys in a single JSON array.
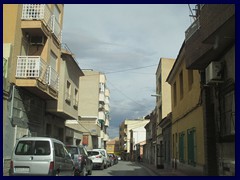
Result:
[
  {"x": 11, "y": 113},
  {"x": 12, "y": 100}
]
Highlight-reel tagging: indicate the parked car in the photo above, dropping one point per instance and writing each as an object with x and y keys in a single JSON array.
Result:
[
  {"x": 114, "y": 158},
  {"x": 83, "y": 165},
  {"x": 40, "y": 156},
  {"x": 111, "y": 159},
  {"x": 97, "y": 158},
  {"x": 105, "y": 156}
]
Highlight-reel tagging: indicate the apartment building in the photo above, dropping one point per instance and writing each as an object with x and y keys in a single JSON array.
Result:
[
  {"x": 37, "y": 74},
  {"x": 187, "y": 118},
  {"x": 151, "y": 136},
  {"x": 94, "y": 107},
  {"x": 113, "y": 146},
  {"x": 210, "y": 49},
  {"x": 125, "y": 140},
  {"x": 163, "y": 103}
]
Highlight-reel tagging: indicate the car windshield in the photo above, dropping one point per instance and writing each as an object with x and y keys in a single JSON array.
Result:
[
  {"x": 33, "y": 148},
  {"x": 72, "y": 150}
]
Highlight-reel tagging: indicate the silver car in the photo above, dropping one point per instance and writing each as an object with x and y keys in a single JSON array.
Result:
[{"x": 40, "y": 156}]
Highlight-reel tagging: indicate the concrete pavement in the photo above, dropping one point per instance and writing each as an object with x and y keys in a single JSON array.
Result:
[{"x": 163, "y": 172}]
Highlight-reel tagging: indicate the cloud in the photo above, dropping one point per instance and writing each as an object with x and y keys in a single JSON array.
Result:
[{"x": 113, "y": 38}]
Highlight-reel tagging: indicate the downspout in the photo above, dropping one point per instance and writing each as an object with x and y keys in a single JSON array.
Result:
[{"x": 11, "y": 113}]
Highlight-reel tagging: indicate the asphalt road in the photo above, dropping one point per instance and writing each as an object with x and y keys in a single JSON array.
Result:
[{"x": 124, "y": 168}]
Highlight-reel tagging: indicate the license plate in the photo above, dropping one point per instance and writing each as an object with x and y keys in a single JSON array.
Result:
[{"x": 22, "y": 170}]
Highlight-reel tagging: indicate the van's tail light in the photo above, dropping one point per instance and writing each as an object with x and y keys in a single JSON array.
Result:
[{"x": 51, "y": 166}]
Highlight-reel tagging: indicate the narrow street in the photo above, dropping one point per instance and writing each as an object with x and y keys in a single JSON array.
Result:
[{"x": 124, "y": 168}]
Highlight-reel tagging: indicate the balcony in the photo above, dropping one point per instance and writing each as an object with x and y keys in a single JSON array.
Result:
[
  {"x": 106, "y": 137},
  {"x": 101, "y": 97},
  {"x": 107, "y": 123},
  {"x": 106, "y": 107},
  {"x": 38, "y": 19},
  {"x": 210, "y": 35},
  {"x": 192, "y": 29},
  {"x": 36, "y": 75},
  {"x": 101, "y": 115}
]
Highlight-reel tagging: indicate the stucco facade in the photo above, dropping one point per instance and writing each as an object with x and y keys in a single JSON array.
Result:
[{"x": 187, "y": 118}]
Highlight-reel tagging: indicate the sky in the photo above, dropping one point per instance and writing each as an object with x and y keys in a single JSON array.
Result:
[{"x": 126, "y": 42}]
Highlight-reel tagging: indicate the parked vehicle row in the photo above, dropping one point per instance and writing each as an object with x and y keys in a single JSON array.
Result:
[{"x": 43, "y": 156}]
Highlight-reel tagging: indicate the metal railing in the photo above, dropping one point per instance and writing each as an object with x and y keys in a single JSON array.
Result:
[
  {"x": 33, "y": 67},
  {"x": 42, "y": 12}
]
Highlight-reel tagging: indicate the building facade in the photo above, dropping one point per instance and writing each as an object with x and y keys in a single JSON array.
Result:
[
  {"x": 125, "y": 135},
  {"x": 151, "y": 136},
  {"x": 187, "y": 118},
  {"x": 35, "y": 90},
  {"x": 94, "y": 107},
  {"x": 163, "y": 103},
  {"x": 213, "y": 35}
]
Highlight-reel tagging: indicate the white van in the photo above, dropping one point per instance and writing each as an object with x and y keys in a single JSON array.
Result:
[{"x": 40, "y": 156}]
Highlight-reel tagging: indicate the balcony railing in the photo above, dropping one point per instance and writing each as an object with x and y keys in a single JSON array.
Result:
[
  {"x": 42, "y": 12},
  {"x": 33, "y": 67},
  {"x": 192, "y": 29}
]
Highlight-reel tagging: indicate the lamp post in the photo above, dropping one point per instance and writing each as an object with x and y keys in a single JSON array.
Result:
[{"x": 156, "y": 95}]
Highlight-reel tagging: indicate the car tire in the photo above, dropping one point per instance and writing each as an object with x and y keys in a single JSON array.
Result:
[{"x": 102, "y": 166}]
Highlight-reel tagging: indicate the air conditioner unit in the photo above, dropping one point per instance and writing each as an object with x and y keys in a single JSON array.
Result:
[
  {"x": 213, "y": 73},
  {"x": 37, "y": 40}
]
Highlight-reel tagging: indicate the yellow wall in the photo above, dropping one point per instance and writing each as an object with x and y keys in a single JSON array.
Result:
[{"x": 186, "y": 114}]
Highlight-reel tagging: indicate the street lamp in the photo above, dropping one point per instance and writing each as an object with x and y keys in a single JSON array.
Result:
[{"x": 156, "y": 95}]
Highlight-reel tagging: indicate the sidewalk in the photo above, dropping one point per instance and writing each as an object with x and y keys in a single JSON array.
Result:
[{"x": 163, "y": 172}]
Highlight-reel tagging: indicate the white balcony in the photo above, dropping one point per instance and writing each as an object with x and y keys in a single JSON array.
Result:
[
  {"x": 107, "y": 92},
  {"x": 106, "y": 137},
  {"x": 101, "y": 115},
  {"x": 107, "y": 123},
  {"x": 106, "y": 100},
  {"x": 106, "y": 107},
  {"x": 101, "y": 97},
  {"x": 43, "y": 13},
  {"x": 33, "y": 67}
]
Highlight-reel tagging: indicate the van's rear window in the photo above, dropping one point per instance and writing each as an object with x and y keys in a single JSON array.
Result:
[{"x": 33, "y": 148}]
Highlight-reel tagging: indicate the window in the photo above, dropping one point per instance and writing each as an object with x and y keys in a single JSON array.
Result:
[
  {"x": 53, "y": 61},
  {"x": 59, "y": 150},
  {"x": 175, "y": 94},
  {"x": 68, "y": 92},
  {"x": 33, "y": 148},
  {"x": 191, "y": 138},
  {"x": 181, "y": 84},
  {"x": 56, "y": 13},
  {"x": 190, "y": 79},
  {"x": 181, "y": 147},
  {"x": 75, "y": 98}
]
